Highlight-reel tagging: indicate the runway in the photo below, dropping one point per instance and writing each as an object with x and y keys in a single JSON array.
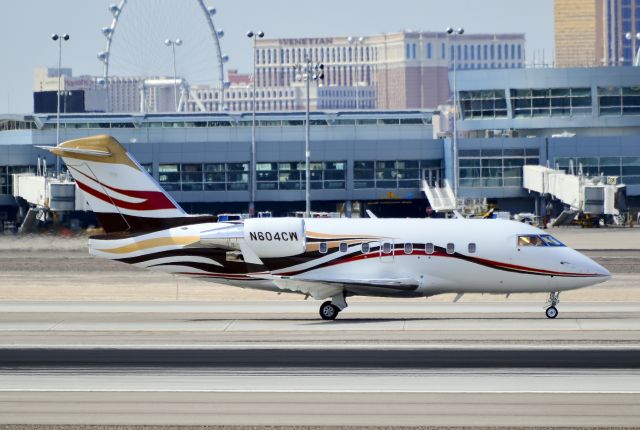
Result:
[
  {"x": 385, "y": 364},
  {"x": 337, "y": 410},
  {"x": 108, "y": 344},
  {"x": 412, "y": 322}
]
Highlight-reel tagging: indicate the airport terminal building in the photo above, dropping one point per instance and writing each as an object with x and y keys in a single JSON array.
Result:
[{"x": 372, "y": 159}]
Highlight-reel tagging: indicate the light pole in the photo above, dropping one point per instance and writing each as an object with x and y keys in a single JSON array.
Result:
[
  {"x": 252, "y": 192},
  {"x": 59, "y": 38},
  {"x": 308, "y": 72},
  {"x": 453, "y": 34},
  {"x": 357, "y": 41},
  {"x": 629, "y": 36},
  {"x": 173, "y": 44}
]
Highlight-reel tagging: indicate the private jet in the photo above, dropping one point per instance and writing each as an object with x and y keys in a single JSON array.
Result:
[{"x": 328, "y": 259}]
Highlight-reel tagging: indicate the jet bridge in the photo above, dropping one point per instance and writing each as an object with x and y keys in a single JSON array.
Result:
[
  {"x": 45, "y": 194},
  {"x": 597, "y": 195}
]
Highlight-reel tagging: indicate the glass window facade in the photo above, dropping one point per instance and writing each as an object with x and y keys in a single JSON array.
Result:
[
  {"x": 214, "y": 176},
  {"x": 627, "y": 168},
  {"x": 495, "y": 167},
  {"x": 169, "y": 176},
  {"x": 291, "y": 175},
  {"x": 483, "y": 104},
  {"x": 391, "y": 174},
  {"x": 204, "y": 177},
  {"x": 619, "y": 100},
  {"x": 551, "y": 102}
]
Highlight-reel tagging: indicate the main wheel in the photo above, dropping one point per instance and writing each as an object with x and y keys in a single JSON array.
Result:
[
  {"x": 328, "y": 311},
  {"x": 551, "y": 312}
]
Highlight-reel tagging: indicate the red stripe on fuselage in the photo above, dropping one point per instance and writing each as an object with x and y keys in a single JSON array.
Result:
[{"x": 484, "y": 262}]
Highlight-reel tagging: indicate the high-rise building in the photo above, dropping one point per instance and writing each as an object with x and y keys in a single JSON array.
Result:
[
  {"x": 590, "y": 33},
  {"x": 621, "y": 25},
  {"x": 578, "y": 33},
  {"x": 408, "y": 69},
  {"x": 404, "y": 70}
]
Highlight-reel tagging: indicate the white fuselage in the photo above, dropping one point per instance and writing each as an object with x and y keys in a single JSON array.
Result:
[
  {"x": 496, "y": 265},
  {"x": 362, "y": 256}
]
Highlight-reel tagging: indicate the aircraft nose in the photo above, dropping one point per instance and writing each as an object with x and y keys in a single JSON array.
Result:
[
  {"x": 591, "y": 267},
  {"x": 602, "y": 271}
]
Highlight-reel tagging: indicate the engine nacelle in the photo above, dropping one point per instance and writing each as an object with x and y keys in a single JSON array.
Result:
[{"x": 275, "y": 237}]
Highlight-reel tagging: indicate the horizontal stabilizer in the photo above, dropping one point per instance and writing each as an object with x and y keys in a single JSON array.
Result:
[{"x": 60, "y": 150}]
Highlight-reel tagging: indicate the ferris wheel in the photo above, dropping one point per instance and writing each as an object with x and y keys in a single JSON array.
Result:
[{"x": 137, "y": 42}]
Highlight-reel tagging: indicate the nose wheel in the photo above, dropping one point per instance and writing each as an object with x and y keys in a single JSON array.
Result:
[
  {"x": 329, "y": 311},
  {"x": 550, "y": 309}
]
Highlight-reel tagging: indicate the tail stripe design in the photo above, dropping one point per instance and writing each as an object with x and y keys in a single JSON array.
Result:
[
  {"x": 124, "y": 197},
  {"x": 149, "y": 200}
]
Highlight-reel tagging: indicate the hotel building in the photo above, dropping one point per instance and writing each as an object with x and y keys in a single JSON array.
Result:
[{"x": 590, "y": 33}]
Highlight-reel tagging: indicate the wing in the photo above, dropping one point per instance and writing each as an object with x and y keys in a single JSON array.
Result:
[{"x": 324, "y": 288}]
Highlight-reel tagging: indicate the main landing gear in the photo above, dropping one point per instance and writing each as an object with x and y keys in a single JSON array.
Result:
[
  {"x": 330, "y": 309},
  {"x": 550, "y": 308}
]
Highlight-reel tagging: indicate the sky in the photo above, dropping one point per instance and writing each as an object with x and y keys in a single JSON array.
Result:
[{"x": 26, "y": 27}]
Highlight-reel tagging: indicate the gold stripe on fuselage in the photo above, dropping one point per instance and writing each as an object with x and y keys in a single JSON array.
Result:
[{"x": 152, "y": 243}]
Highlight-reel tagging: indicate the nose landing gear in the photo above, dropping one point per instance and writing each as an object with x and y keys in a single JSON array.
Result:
[{"x": 550, "y": 308}]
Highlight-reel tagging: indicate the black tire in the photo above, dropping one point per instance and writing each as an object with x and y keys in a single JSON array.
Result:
[
  {"x": 551, "y": 312},
  {"x": 328, "y": 311}
]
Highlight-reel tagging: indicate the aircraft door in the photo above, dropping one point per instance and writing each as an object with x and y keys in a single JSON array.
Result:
[{"x": 386, "y": 251}]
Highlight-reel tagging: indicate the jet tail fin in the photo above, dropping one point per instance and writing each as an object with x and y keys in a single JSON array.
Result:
[{"x": 123, "y": 195}]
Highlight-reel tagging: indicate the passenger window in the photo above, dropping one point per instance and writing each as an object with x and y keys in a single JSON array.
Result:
[
  {"x": 429, "y": 248},
  {"x": 365, "y": 248},
  {"x": 323, "y": 248},
  {"x": 530, "y": 240},
  {"x": 472, "y": 248},
  {"x": 386, "y": 248},
  {"x": 408, "y": 248},
  {"x": 343, "y": 246},
  {"x": 451, "y": 248}
]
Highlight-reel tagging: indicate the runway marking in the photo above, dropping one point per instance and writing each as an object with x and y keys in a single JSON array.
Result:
[
  {"x": 56, "y": 324},
  {"x": 100, "y": 390},
  {"x": 228, "y": 325},
  {"x": 336, "y": 347}
]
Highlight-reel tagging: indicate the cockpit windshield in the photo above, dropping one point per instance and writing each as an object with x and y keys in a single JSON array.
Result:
[
  {"x": 551, "y": 241},
  {"x": 538, "y": 240}
]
